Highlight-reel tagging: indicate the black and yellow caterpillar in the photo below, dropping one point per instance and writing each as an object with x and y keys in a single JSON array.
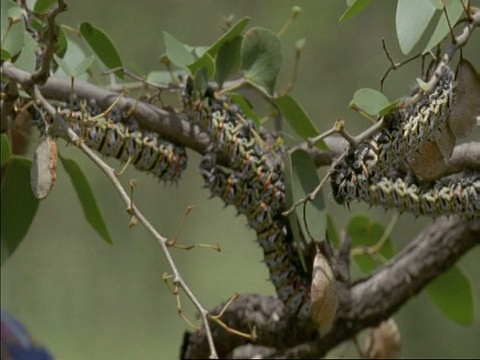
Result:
[
  {"x": 254, "y": 184},
  {"x": 118, "y": 135},
  {"x": 367, "y": 172}
]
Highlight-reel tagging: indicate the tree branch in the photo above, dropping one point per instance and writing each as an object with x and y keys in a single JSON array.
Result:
[{"x": 363, "y": 304}]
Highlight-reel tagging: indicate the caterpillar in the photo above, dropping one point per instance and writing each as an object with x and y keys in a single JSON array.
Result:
[
  {"x": 273, "y": 233},
  {"x": 117, "y": 135},
  {"x": 254, "y": 184},
  {"x": 447, "y": 196},
  {"x": 410, "y": 126},
  {"x": 364, "y": 173}
]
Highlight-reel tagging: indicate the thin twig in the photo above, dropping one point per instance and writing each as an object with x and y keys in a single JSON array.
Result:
[
  {"x": 161, "y": 241},
  {"x": 41, "y": 75}
]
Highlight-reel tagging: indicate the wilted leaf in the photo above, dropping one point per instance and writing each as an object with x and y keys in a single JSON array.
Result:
[
  {"x": 384, "y": 341},
  {"x": 323, "y": 295},
  {"x": 43, "y": 173}
]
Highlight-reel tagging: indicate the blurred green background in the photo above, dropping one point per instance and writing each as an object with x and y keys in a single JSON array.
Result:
[{"x": 84, "y": 299}]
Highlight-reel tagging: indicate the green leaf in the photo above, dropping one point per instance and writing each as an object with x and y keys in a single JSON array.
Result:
[
  {"x": 332, "y": 231},
  {"x": 201, "y": 79},
  {"x": 72, "y": 58},
  {"x": 261, "y": 57},
  {"x": 87, "y": 199},
  {"x": 452, "y": 293},
  {"x": 302, "y": 180},
  {"x": 163, "y": 77},
  {"x": 369, "y": 100},
  {"x": 18, "y": 205},
  {"x": 412, "y": 18},
  {"x": 5, "y": 55},
  {"x": 6, "y": 150},
  {"x": 61, "y": 45},
  {"x": 390, "y": 107},
  {"x": 246, "y": 107},
  {"x": 177, "y": 52},
  {"x": 15, "y": 39},
  {"x": 454, "y": 10},
  {"x": 228, "y": 59},
  {"x": 63, "y": 65},
  {"x": 298, "y": 119},
  {"x": 232, "y": 33},
  {"x": 15, "y": 13},
  {"x": 28, "y": 58},
  {"x": 42, "y": 6},
  {"x": 366, "y": 233},
  {"x": 83, "y": 66},
  {"x": 206, "y": 61},
  {"x": 102, "y": 46},
  {"x": 355, "y": 8}
]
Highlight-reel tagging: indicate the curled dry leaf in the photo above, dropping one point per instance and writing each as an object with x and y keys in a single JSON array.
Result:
[
  {"x": 466, "y": 104},
  {"x": 44, "y": 168},
  {"x": 324, "y": 294},
  {"x": 384, "y": 341}
]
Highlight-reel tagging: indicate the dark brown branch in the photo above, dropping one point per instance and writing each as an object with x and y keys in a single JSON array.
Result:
[
  {"x": 41, "y": 75},
  {"x": 365, "y": 304}
]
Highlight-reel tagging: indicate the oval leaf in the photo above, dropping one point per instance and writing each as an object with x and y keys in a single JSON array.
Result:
[
  {"x": 18, "y": 205},
  {"x": 366, "y": 233},
  {"x": 87, "y": 199},
  {"x": 298, "y": 119},
  {"x": 15, "y": 39},
  {"x": 102, "y": 46},
  {"x": 369, "y": 100},
  {"x": 42, "y": 6},
  {"x": 228, "y": 59},
  {"x": 261, "y": 57},
  {"x": 301, "y": 179},
  {"x": 177, "y": 52},
  {"x": 233, "y": 32},
  {"x": 411, "y": 19},
  {"x": 355, "y": 8},
  {"x": 83, "y": 66},
  {"x": 206, "y": 61},
  {"x": 6, "y": 150},
  {"x": 454, "y": 10},
  {"x": 452, "y": 293}
]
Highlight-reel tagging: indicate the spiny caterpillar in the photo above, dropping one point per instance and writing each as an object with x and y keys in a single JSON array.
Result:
[
  {"x": 118, "y": 135},
  {"x": 410, "y": 126},
  {"x": 365, "y": 174},
  {"x": 448, "y": 196},
  {"x": 273, "y": 233},
  {"x": 254, "y": 184}
]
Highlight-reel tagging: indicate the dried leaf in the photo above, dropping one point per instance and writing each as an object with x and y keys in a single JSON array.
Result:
[
  {"x": 44, "y": 168},
  {"x": 384, "y": 341},
  {"x": 324, "y": 294}
]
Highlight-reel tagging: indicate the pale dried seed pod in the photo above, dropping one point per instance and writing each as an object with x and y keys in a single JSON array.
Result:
[
  {"x": 384, "y": 341},
  {"x": 466, "y": 104},
  {"x": 324, "y": 301},
  {"x": 43, "y": 173}
]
